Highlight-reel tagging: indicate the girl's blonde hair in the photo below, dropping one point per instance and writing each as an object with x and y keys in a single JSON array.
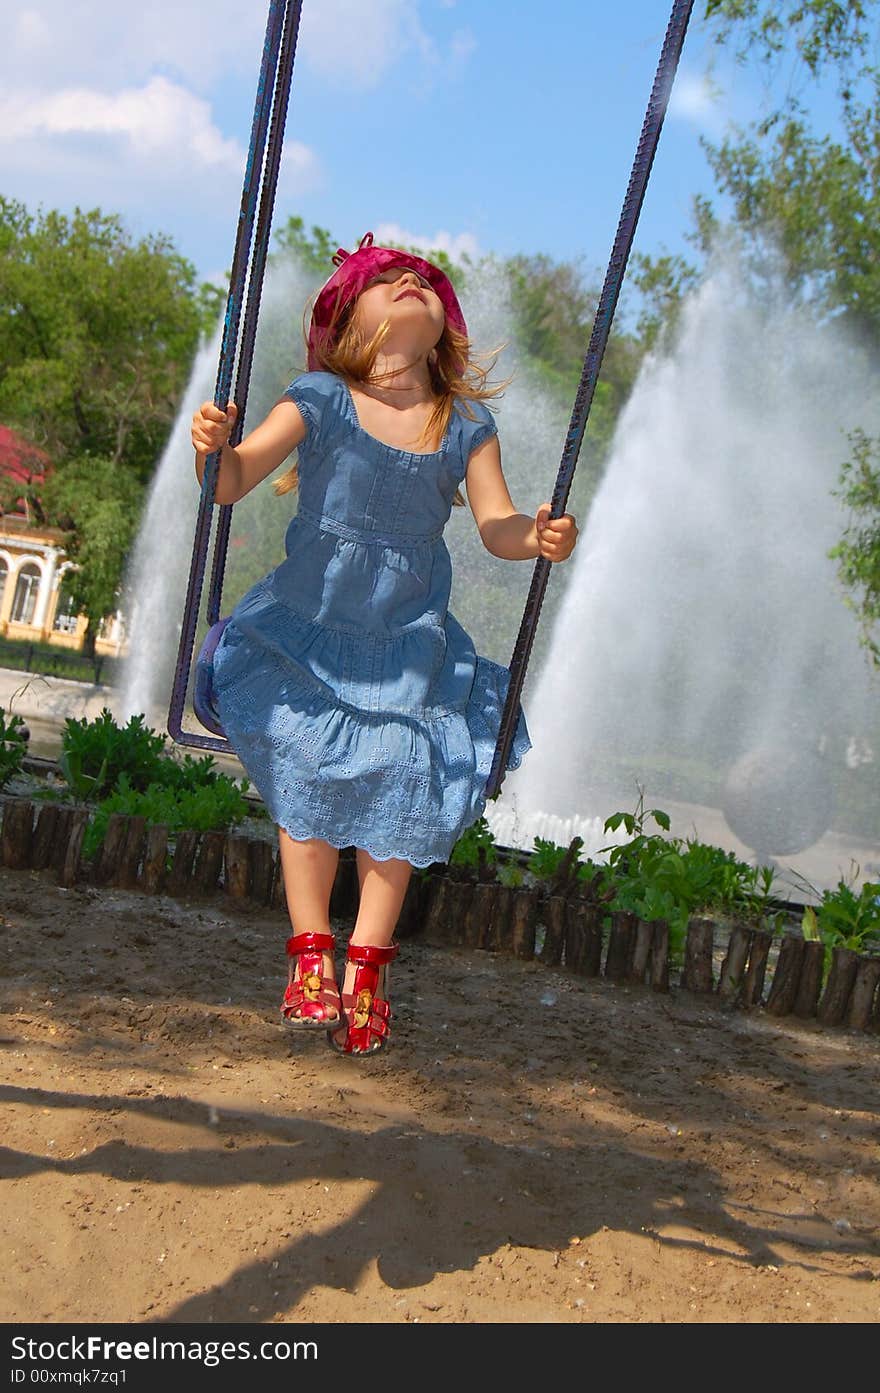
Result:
[{"x": 456, "y": 373}]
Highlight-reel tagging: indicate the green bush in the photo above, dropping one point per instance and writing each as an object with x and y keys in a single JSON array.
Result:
[
  {"x": 127, "y": 769},
  {"x": 547, "y": 858},
  {"x": 187, "y": 772},
  {"x": 475, "y": 847},
  {"x": 843, "y": 918},
  {"x": 213, "y": 806},
  {"x": 96, "y": 754},
  {"x": 13, "y": 746},
  {"x": 657, "y": 877},
  {"x": 850, "y": 919},
  {"x": 750, "y": 899},
  {"x": 510, "y": 875}
]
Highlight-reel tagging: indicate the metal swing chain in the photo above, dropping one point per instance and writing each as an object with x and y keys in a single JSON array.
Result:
[
  {"x": 255, "y": 282},
  {"x": 632, "y": 204},
  {"x": 274, "y": 81}
]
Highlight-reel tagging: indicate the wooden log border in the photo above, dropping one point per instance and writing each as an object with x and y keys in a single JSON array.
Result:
[{"x": 558, "y": 925}]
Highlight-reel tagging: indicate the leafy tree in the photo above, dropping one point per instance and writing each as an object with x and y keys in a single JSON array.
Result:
[
  {"x": 664, "y": 282},
  {"x": 823, "y": 33},
  {"x": 858, "y": 551},
  {"x": 554, "y": 310},
  {"x": 313, "y": 250},
  {"x": 97, "y": 334},
  {"x": 98, "y": 503},
  {"x": 554, "y": 307},
  {"x": 817, "y": 202},
  {"x": 810, "y": 201}
]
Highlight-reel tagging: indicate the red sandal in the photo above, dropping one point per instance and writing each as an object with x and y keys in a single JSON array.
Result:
[
  {"x": 309, "y": 999},
  {"x": 367, "y": 1013}
]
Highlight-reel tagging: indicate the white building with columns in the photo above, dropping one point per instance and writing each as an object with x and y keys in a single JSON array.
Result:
[{"x": 35, "y": 604}]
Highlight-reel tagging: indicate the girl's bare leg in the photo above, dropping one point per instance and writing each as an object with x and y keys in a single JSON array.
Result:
[
  {"x": 383, "y": 886},
  {"x": 309, "y": 870},
  {"x": 382, "y": 890}
]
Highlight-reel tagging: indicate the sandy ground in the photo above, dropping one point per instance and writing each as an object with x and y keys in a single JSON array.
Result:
[{"x": 532, "y": 1147}]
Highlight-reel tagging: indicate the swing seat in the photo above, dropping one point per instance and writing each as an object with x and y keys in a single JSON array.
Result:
[{"x": 204, "y": 704}]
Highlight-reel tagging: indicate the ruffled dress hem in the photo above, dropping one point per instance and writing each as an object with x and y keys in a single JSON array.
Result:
[{"x": 344, "y": 759}]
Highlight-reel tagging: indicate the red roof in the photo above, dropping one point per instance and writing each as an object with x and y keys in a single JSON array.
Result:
[{"x": 21, "y": 462}]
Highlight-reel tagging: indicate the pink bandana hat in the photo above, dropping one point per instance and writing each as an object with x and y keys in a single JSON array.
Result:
[{"x": 355, "y": 270}]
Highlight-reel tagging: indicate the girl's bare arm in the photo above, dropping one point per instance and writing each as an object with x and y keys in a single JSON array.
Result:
[
  {"x": 505, "y": 532},
  {"x": 261, "y": 452}
]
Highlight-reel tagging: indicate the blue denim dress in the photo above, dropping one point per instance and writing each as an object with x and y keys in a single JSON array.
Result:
[{"x": 353, "y": 698}]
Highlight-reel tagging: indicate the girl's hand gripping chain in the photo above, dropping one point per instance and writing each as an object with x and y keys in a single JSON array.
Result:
[
  {"x": 557, "y": 536},
  {"x": 211, "y": 427}
]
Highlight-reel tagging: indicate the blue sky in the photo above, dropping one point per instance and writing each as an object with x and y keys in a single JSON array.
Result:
[{"x": 467, "y": 124}]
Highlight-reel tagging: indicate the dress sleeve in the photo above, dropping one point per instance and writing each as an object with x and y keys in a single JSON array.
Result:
[
  {"x": 312, "y": 392},
  {"x": 474, "y": 432}
]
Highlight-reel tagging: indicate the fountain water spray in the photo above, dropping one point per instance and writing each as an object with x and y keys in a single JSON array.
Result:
[
  {"x": 703, "y": 622},
  {"x": 155, "y": 582}
]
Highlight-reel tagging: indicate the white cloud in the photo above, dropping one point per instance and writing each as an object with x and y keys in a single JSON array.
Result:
[
  {"x": 201, "y": 42},
  {"x": 300, "y": 168},
  {"x": 351, "y": 41},
  {"x": 158, "y": 135},
  {"x": 97, "y": 40},
  {"x": 456, "y": 245},
  {"x": 146, "y": 109},
  {"x": 158, "y": 120}
]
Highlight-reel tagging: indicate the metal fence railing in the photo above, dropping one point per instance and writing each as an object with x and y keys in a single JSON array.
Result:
[{"x": 24, "y": 656}]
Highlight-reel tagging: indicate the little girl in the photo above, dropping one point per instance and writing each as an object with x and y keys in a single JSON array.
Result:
[{"x": 353, "y": 698}]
